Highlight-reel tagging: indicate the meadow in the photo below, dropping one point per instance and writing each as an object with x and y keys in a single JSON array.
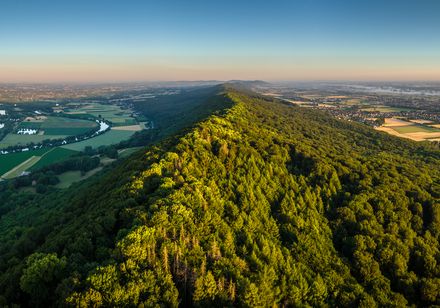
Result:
[
  {"x": 19, "y": 169},
  {"x": 9, "y": 161},
  {"x": 108, "y": 138},
  {"x": 12, "y": 165},
  {"x": 70, "y": 177},
  {"x": 113, "y": 113},
  {"x": 54, "y": 155}
]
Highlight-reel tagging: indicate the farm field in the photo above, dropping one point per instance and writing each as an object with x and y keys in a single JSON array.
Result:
[
  {"x": 56, "y": 125},
  {"x": 9, "y": 161},
  {"x": 51, "y": 127},
  {"x": 415, "y": 129},
  {"x": 133, "y": 128},
  {"x": 23, "y": 140},
  {"x": 390, "y": 122},
  {"x": 410, "y": 130},
  {"x": 67, "y": 126},
  {"x": 55, "y": 155},
  {"x": 19, "y": 169},
  {"x": 421, "y": 121},
  {"x": 48, "y": 128},
  {"x": 354, "y": 102},
  {"x": 380, "y": 108},
  {"x": 113, "y": 113},
  {"x": 12, "y": 165},
  {"x": 108, "y": 138}
]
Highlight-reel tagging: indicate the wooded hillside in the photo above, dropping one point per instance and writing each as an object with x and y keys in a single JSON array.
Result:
[{"x": 260, "y": 204}]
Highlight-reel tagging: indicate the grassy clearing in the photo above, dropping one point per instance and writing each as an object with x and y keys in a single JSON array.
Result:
[
  {"x": 108, "y": 138},
  {"x": 54, "y": 156},
  {"x": 128, "y": 151},
  {"x": 70, "y": 177},
  {"x": 9, "y": 161}
]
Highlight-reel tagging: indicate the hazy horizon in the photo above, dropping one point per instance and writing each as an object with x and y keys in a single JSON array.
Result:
[{"x": 144, "y": 41}]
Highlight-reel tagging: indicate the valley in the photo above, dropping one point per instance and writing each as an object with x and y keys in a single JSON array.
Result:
[
  {"x": 219, "y": 154},
  {"x": 31, "y": 130}
]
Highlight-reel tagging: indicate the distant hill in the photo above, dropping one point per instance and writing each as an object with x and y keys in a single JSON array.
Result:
[
  {"x": 250, "y": 84},
  {"x": 247, "y": 201}
]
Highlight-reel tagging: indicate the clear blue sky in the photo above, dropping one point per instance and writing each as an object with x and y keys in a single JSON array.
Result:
[{"x": 173, "y": 40}]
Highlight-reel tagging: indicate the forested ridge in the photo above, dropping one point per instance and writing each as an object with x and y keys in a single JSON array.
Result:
[{"x": 260, "y": 204}]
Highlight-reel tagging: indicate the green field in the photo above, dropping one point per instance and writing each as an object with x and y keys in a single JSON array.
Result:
[
  {"x": 67, "y": 126},
  {"x": 19, "y": 169},
  {"x": 70, "y": 177},
  {"x": 31, "y": 160},
  {"x": 380, "y": 108},
  {"x": 9, "y": 161},
  {"x": 53, "y": 156},
  {"x": 112, "y": 113},
  {"x": 68, "y": 131},
  {"x": 30, "y": 125},
  {"x": 23, "y": 140},
  {"x": 108, "y": 138},
  {"x": 415, "y": 129},
  {"x": 128, "y": 151},
  {"x": 51, "y": 128},
  {"x": 54, "y": 122}
]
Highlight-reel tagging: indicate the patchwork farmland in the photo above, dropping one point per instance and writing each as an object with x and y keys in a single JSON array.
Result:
[
  {"x": 414, "y": 130},
  {"x": 31, "y": 138},
  {"x": 112, "y": 137},
  {"x": 112, "y": 113},
  {"x": 14, "y": 164},
  {"x": 47, "y": 128}
]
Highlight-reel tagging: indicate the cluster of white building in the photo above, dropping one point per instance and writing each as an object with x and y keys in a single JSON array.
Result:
[
  {"x": 26, "y": 131},
  {"x": 102, "y": 127}
]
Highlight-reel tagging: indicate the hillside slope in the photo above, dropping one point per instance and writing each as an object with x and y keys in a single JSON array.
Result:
[{"x": 263, "y": 204}]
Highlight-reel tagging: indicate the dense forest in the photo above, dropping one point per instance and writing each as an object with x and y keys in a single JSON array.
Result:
[{"x": 247, "y": 201}]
